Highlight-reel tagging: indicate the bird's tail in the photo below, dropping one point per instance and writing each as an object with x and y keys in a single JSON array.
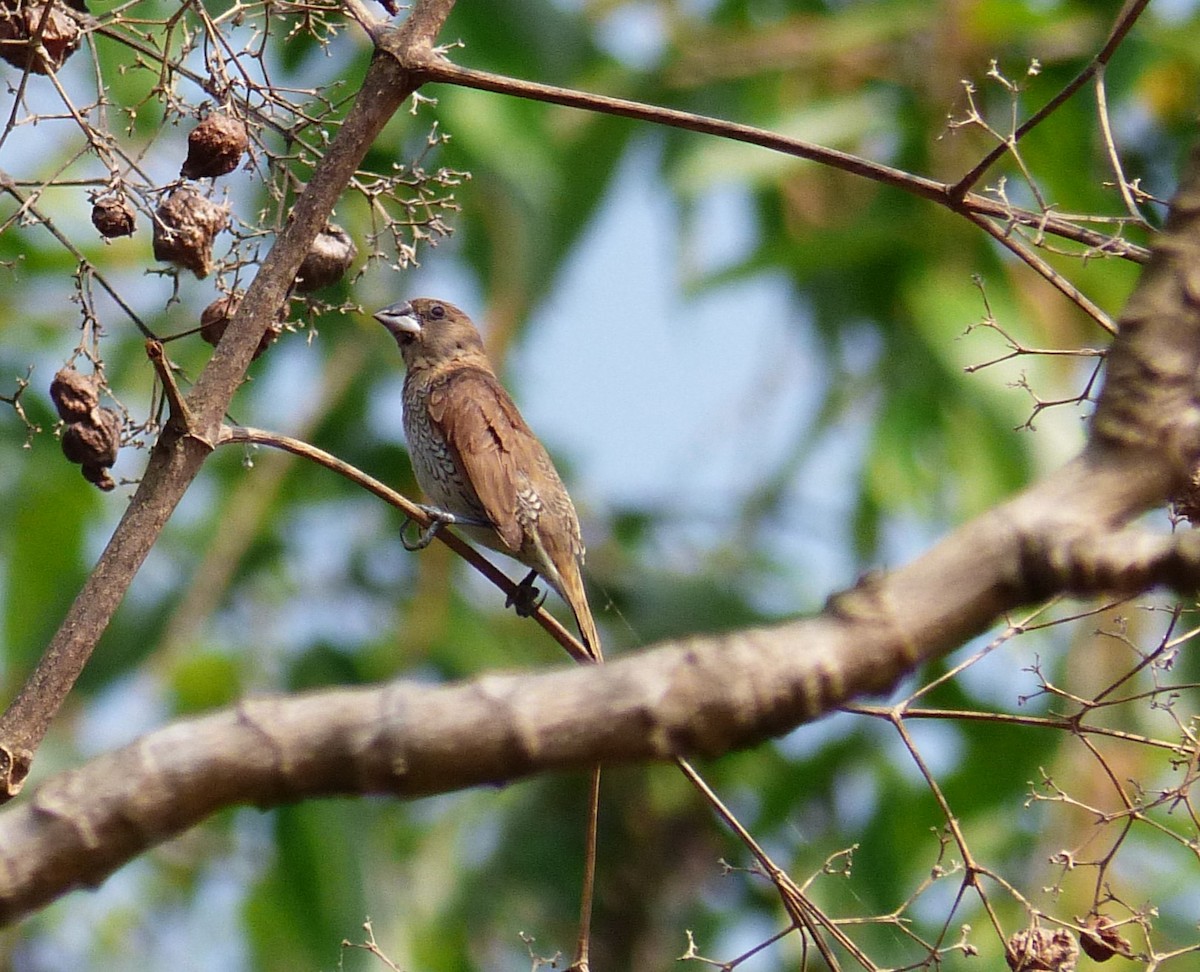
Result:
[
  {"x": 561, "y": 565},
  {"x": 576, "y": 598}
]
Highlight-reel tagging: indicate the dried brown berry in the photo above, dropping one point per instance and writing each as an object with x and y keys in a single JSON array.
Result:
[
  {"x": 217, "y": 315},
  {"x": 1042, "y": 950},
  {"x": 113, "y": 216},
  {"x": 21, "y": 22},
  {"x": 215, "y": 147},
  {"x": 75, "y": 396},
  {"x": 327, "y": 260},
  {"x": 93, "y": 443},
  {"x": 185, "y": 226},
  {"x": 1101, "y": 940}
]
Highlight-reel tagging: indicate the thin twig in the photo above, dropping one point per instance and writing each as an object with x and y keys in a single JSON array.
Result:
[
  {"x": 1110, "y": 146},
  {"x": 1045, "y": 271},
  {"x": 439, "y": 69},
  {"x": 251, "y": 436},
  {"x": 1125, "y": 20}
]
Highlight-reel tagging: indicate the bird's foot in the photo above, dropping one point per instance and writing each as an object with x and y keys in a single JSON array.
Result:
[
  {"x": 527, "y": 598},
  {"x": 438, "y": 519},
  {"x": 425, "y": 537}
]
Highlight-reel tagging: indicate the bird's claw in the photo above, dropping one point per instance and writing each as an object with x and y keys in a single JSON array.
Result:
[
  {"x": 424, "y": 538},
  {"x": 526, "y": 598},
  {"x": 438, "y": 518}
]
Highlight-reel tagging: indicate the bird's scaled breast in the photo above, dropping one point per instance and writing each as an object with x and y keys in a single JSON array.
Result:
[{"x": 433, "y": 462}]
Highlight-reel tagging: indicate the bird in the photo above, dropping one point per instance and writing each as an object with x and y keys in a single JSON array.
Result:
[{"x": 475, "y": 457}]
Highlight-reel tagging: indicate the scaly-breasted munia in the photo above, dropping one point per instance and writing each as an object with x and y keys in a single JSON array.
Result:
[{"x": 474, "y": 456}]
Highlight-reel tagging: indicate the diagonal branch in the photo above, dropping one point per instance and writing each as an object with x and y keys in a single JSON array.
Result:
[
  {"x": 703, "y": 695},
  {"x": 244, "y": 434}
]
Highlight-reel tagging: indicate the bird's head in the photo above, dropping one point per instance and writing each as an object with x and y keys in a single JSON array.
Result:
[{"x": 429, "y": 330}]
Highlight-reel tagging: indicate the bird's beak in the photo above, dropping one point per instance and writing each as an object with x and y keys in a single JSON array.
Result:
[{"x": 400, "y": 319}]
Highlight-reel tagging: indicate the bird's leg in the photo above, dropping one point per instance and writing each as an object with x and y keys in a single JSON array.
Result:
[
  {"x": 438, "y": 518},
  {"x": 526, "y": 599}
]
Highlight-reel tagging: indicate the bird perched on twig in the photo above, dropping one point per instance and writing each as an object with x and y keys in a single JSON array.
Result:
[{"x": 476, "y": 459}]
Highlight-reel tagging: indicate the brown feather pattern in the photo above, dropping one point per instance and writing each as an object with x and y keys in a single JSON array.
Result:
[{"x": 473, "y": 454}]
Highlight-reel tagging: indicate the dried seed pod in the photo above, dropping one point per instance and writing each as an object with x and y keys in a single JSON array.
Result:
[
  {"x": 19, "y": 25},
  {"x": 1042, "y": 950},
  {"x": 93, "y": 443},
  {"x": 217, "y": 315},
  {"x": 113, "y": 216},
  {"x": 215, "y": 147},
  {"x": 75, "y": 396},
  {"x": 327, "y": 260},
  {"x": 1101, "y": 940},
  {"x": 185, "y": 226}
]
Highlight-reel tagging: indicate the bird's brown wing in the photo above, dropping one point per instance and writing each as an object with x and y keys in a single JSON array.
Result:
[
  {"x": 516, "y": 483},
  {"x": 481, "y": 424}
]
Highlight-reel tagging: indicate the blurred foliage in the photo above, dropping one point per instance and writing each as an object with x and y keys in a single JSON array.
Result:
[{"x": 275, "y": 576}]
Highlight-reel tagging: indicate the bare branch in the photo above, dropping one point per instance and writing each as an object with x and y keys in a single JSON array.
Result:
[
  {"x": 242, "y": 434},
  {"x": 1123, "y": 25},
  {"x": 439, "y": 69}
]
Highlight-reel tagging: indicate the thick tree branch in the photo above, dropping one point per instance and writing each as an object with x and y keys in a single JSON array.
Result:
[
  {"x": 705, "y": 696},
  {"x": 412, "y": 740},
  {"x": 1151, "y": 399},
  {"x": 1121, "y": 563}
]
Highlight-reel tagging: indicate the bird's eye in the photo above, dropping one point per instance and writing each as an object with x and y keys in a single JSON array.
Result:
[{"x": 437, "y": 312}]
